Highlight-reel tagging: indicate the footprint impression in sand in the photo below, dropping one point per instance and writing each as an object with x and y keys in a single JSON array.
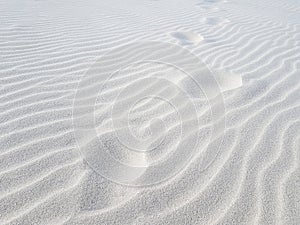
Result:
[{"x": 187, "y": 38}]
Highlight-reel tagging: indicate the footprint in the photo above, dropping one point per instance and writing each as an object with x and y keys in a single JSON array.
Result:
[
  {"x": 208, "y": 7},
  {"x": 214, "y": 21},
  {"x": 206, "y": 2},
  {"x": 225, "y": 79},
  {"x": 210, "y": 4},
  {"x": 187, "y": 38},
  {"x": 98, "y": 193},
  {"x": 209, "y": 1}
]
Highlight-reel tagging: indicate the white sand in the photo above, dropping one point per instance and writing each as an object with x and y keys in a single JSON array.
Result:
[{"x": 246, "y": 173}]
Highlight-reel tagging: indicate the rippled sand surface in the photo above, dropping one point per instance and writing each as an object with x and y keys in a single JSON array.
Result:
[{"x": 229, "y": 152}]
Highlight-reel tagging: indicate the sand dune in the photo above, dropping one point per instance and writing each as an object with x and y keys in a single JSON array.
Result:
[{"x": 205, "y": 130}]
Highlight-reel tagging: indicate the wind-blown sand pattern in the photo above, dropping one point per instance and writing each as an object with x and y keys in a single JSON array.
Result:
[{"x": 251, "y": 47}]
